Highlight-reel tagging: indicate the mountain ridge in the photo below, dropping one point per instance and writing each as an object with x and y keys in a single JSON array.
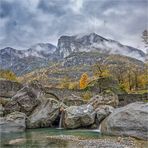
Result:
[
  {"x": 41, "y": 54},
  {"x": 95, "y": 42}
]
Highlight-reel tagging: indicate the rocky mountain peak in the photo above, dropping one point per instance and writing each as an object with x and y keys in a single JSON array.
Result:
[{"x": 95, "y": 43}]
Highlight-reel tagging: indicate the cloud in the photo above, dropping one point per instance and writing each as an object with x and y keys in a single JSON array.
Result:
[{"x": 24, "y": 23}]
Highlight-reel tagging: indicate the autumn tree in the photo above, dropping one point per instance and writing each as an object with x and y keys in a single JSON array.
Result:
[
  {"x": 118, "y": 72},
  {"x": 7, "y": 74},
  {"x": 83, "y": 81},
  {"x": 101, "y": 70},
  {"x": 143, "y": 78}
]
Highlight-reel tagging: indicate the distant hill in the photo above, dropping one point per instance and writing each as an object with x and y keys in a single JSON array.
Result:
[
  {"x": 24, "y": 61},
  {"x": 75, "y": 65}
]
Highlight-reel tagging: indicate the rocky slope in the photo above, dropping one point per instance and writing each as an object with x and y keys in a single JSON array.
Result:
[
  {"x": 75, "y": 65},
  {"x": 90, "y": 58}
]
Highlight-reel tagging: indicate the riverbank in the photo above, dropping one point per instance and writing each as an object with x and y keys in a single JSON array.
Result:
[
  {"x": 61, "y": 138},
  {"x": 107, "y": 142}
]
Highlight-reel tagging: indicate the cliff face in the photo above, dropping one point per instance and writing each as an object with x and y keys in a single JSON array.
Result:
[{"x": 95, "y": 43}]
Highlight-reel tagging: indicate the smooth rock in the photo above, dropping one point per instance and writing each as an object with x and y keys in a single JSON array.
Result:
[
  {"x": 45, "y": 114},
  {"x": 103, "y": 111},
  {"x": 24, "y": 101},
  {"x": 17, "y": 141},
  {"x": 130, "y": 120},
  {"x": 79, "y": 116}
]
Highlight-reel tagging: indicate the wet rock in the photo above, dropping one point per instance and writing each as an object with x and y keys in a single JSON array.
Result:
[
  {"x": 79, "y": 116},
  {"x": 13, "y": 122},
  {"x": 17, "y": 141},
  {"x": 44, "y": 115},
  {"x": 130, "y": 120}
]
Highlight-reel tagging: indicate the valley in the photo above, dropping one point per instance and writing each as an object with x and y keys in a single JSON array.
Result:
[{"x": 85, "y": 84}]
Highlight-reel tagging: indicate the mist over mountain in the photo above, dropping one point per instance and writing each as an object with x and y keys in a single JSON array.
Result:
[
  {"x": 39, "y": 55},
  {"x": 95, "y": 43}
]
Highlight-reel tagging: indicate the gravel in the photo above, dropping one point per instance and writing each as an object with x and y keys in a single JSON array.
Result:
[{"x": 120, "y": 142}]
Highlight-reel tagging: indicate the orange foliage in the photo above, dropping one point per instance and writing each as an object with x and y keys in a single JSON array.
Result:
[{"x": 83, "y": 81}]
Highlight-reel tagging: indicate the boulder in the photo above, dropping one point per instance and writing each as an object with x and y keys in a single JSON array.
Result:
[
  {"x": 102, "y": 112},
  {"x": 73, "y": 100},
  {"x": 9, "y": 88},
  {"x": 104, "y": 99},
  {"x": 130, "y": 120},
  {"x": 24, "y": 101},
  {"x": 13, "y": 122},
  {"x": 45, "y": 114},
  {"x": 4, "y": 101},
  {"x": 78, "y": 116}
]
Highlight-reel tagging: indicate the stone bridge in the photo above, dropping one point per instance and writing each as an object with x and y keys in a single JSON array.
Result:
[{"x": 69, "y": 97}]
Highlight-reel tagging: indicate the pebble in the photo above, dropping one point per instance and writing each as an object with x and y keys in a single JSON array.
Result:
[{"x": 120, "y": 142}]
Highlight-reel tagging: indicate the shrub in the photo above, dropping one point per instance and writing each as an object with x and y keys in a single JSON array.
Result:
[{"x": 87, "y": 95}]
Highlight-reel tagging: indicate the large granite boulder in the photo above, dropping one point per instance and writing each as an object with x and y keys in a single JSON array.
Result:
[
  {"x": 130, "y": 120},
  {"x": 24, "y": 101},
  {"x": 104, "y": 99},
  {"x": 9, "y": 88},
  {"x": 45, "y": 114},
  {"x": 78, "y": 116},
  {"x": 102, "y": 112},
  {"x": 13, "y": 122}
]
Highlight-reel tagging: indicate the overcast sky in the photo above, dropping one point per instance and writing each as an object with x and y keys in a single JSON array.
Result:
[{"x": 27, "y": 22}]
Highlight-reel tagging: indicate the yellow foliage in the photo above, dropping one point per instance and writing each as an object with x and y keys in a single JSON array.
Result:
[
  {"x": 83, "y": 81},
  {"x": 143, "y": 80},
  {"x": 101, "y": 70},
  {"x": 7, "y": 74},
  {"x": 65, "y": 83},
  {"x": 87, "y": 95},
  {"x": 73, "y": 85}
]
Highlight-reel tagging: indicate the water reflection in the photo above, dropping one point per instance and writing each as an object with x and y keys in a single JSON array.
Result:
[{"x": 38, "y": 138}]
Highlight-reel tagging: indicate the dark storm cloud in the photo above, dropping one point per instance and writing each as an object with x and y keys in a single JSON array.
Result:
[
  {"x": 5, "y": 9},
  {"x": 23, "y": 23},
  {"x": 51, "y": 7}
]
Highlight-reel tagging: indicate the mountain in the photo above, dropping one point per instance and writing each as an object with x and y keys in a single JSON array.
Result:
[
  {"x": 95, "y": 43},
  {"x": 41, "y": 50},
  {"x": 24, "y": 61},
  {"x": 70, "y": 51},
  {"x": 9, "y": 56}
]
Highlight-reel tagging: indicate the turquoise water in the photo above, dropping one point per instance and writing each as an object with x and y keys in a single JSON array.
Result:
[{"x": 38, "y": 138}]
